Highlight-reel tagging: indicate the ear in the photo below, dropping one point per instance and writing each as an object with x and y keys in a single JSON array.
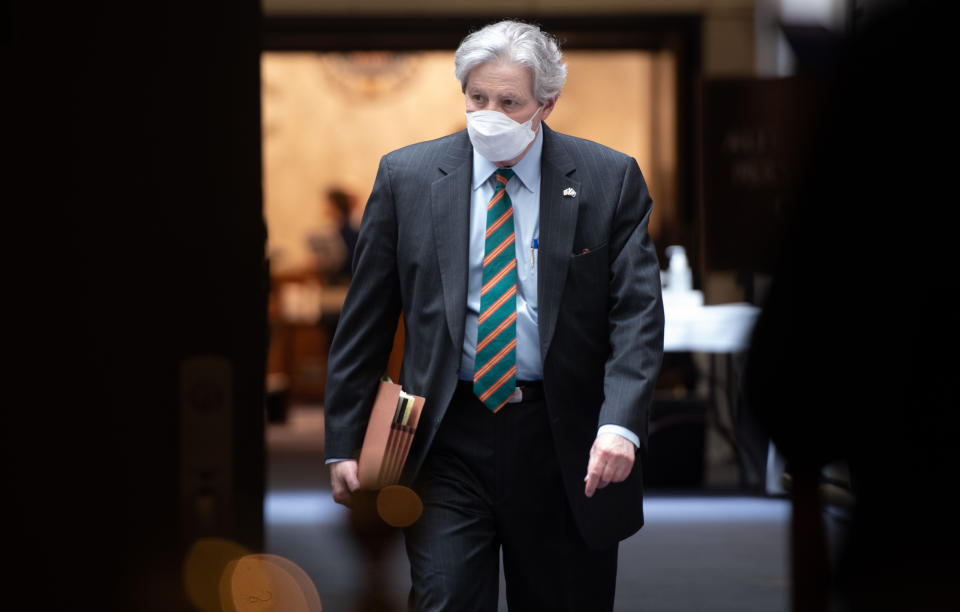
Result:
[{"x": 548, "y": 107}]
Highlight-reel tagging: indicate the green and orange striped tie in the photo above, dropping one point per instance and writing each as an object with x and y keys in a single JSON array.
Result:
[{"x": 495, "y": 367}]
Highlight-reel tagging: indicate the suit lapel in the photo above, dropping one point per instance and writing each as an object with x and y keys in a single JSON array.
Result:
[
  {"x": 450, "y": 207},
  {"x": 558, "y": 221}
]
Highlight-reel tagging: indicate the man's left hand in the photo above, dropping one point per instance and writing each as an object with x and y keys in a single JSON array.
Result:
[{"x": 611, "y": 459}]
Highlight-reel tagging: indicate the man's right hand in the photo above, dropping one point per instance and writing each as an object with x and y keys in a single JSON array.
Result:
[{"x": 345, "y": 481}]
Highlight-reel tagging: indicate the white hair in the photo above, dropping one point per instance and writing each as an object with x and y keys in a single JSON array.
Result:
[{"x": 518, "y": 43}]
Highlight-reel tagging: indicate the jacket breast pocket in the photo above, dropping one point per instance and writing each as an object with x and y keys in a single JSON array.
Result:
[
  {"x": 588, "y": 251},
  {"x": 583, "y": 321},
  {"x": 588, "y": 273}
]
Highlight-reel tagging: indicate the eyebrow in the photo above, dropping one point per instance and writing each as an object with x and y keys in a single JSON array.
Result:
[{"x": 505, "y": 94}]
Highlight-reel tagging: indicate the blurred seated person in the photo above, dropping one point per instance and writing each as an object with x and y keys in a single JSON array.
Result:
[
  {"x": 333, "y": 244},
  {"x": 332, "y": 248}
]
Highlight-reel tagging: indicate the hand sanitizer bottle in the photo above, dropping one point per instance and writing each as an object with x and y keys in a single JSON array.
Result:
[{"x": 679, "y": 275}]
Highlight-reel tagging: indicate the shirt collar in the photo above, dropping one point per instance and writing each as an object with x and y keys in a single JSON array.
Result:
[{"x": 527, "y": 169}]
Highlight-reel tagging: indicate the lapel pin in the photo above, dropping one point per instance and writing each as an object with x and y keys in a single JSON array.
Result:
[{"x": 569, "y": 192}]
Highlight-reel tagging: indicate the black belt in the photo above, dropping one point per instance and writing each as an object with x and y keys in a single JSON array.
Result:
[{"x": 527, "y": 390}]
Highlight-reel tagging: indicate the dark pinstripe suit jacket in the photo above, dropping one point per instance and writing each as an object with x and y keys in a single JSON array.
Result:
[{"x": 600, "y": 311}]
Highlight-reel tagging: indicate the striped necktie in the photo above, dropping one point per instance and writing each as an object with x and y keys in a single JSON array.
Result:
[{"x": 495, "y": 367}]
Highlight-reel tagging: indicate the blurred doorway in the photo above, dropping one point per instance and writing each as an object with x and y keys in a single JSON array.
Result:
[{"x": 337, "y": 94}]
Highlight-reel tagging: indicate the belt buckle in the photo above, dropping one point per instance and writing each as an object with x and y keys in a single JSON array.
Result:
[{"x": 517, "y": 396}]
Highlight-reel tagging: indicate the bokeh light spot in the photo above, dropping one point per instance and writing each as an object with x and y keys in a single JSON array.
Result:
[
  {"x": 399, "y": 506},
  {"x": 269, "y": 583},
  {"x": 204, "y": 565}
]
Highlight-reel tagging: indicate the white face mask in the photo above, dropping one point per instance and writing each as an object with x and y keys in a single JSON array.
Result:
[{"x": 498, "y": 137}]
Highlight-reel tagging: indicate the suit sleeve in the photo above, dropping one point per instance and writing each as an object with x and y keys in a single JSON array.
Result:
[
  {"x": 368, "y": 322},
  {"x": 635, "y": 313}
]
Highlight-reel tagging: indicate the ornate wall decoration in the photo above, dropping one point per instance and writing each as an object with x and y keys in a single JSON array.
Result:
[{"x": 369, "y": 75}]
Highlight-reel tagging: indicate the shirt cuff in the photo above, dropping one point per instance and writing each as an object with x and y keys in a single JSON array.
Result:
[
  {"x": 620, "y": 431},
  {"x": 337, "y": 460}
]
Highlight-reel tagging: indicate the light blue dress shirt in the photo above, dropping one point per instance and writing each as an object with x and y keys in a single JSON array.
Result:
[{"x": 524, "y": 192}]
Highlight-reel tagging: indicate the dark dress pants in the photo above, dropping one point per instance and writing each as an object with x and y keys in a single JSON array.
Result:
[{"x": 491, "y": 481}]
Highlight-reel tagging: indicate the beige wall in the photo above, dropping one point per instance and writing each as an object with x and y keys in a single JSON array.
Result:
[
  {"x": 326, "y": 125},
  {"x": 329, "y": 117}
]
